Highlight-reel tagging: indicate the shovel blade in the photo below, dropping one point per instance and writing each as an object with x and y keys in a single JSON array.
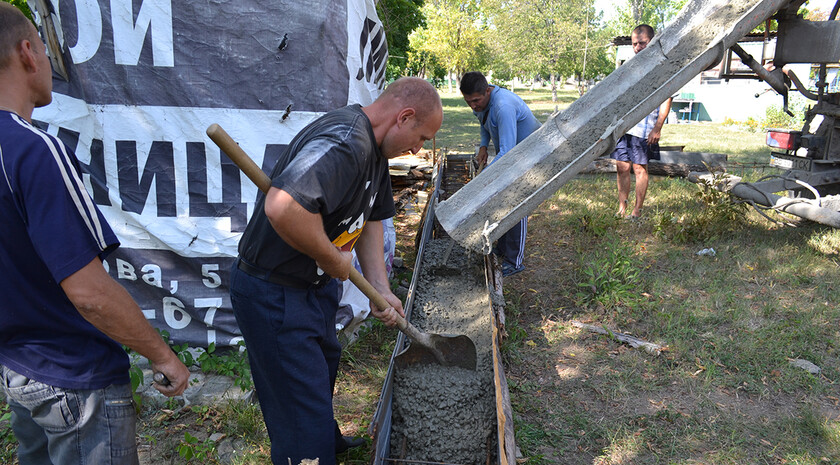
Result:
[{"x": 458, "y": 351}]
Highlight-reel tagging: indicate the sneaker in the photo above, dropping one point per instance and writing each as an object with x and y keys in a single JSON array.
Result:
[
  {"x": 508, "y": 269},
  {"x": 348, "y": 443}
]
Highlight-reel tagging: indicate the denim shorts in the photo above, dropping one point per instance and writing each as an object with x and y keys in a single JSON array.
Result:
[
  {"x": 63, "y": 426},
  {"x": 635, "y": 150}
]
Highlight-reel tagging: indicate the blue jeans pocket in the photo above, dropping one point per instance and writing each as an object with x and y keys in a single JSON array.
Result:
[{"x": 53, "y": 409}]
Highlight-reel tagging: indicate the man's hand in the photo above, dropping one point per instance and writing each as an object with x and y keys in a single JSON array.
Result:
[
  {"x": 654, "y": 136},
  {"x": 388, "y": 316},
  {"x": 177, "y": 374},
  {"x": 481, "y": 157},
  {"x": 338, "y": 265}
]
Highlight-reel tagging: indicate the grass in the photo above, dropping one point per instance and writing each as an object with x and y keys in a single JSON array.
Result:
[
  {"x": 723, "y": 391},
  {"x": 460, "y": 130}
]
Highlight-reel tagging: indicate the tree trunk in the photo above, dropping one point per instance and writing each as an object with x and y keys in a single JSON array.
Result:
[{"x": 638, "y": 7}]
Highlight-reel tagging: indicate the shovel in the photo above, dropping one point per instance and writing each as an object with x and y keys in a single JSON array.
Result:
[{"x": 425, "y": 348}]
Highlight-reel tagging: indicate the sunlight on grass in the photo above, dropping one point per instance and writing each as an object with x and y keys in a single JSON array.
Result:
[
  {"x": 826, "y": 242},
  {"x": 623, "y": 448}
]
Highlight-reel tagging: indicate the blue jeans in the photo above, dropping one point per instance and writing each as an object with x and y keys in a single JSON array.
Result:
[
  {"x": 294, "y": 352},
  {"x": 71, "y": 426}
]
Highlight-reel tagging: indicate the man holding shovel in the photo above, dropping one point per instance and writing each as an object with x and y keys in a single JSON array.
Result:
[
  {"x": 330, "y": 190},
  {"x": 62, "y": 318}
]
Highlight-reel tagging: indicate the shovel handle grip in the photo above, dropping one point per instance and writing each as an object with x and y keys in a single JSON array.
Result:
[{"x": 242, "y": 160}]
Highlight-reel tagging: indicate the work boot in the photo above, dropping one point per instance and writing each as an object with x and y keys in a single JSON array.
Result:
[{"x": 348, "y": 442}]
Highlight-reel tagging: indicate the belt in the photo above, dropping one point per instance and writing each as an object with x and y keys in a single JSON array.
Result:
[{"x": 276, "y": 278}]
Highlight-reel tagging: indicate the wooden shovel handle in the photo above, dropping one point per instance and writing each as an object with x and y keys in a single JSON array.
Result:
[{"x": 242, "y": 160}]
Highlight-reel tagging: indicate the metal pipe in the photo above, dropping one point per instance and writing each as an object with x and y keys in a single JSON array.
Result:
[
  {"x": 799, "y": 87},
  {"x": 774, "y": 78},
  {"x": 803, "y": 208}
]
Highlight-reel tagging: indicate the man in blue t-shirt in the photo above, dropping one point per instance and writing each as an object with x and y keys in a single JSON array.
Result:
[
  {"x": 641, "y": 143},
  {"x": 506, "y": 119},
  {"x": 62, "y": 317},
  {"x": 329, "y": 192}
]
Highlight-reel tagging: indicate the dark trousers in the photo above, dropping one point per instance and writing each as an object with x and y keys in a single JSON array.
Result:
[
  {"x": 511, "y": 245},
  {"x": 294, "y": 352}
]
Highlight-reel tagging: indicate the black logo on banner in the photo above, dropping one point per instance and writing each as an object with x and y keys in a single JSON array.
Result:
[{"x": 372, "y": 41}]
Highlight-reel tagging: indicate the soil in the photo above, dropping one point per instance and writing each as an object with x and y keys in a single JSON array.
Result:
[{"x": 568, "y": 374}]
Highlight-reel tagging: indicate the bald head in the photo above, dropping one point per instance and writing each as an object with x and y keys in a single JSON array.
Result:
[
  {"x": 14, "y": 28},
  {"x": 415, "y": 93}
]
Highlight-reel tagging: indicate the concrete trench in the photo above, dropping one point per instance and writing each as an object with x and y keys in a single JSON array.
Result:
[{"x": 448, "y": 415}]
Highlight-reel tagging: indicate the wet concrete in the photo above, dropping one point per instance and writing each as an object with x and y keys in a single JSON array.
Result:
[{"x": 447, "y": 414}]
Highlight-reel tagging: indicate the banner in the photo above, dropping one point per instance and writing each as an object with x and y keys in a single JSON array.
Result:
[{"x": 145, "y": 80}]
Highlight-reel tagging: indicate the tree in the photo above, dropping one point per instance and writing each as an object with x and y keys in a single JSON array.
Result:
[
  {"x": 656, "y": 13},
  {"x": 453, "y": 34},
  {"x": 399, "y": 18},
  {"x": 22, "y": 6},
  {"x": 547, "y": 37}
]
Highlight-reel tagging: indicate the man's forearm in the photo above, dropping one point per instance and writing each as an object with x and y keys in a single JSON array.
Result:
[
  {"x": 370, "y": 250},
  {"x": 109, "y": 307},
  {"x": 664, "y": 109}
]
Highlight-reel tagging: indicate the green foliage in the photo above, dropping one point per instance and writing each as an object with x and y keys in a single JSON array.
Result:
[
  {"x": 716, "y": 214},
  {"x": 399, "y": 18},
  {"x": 547, "y": 38},
  {"x": 22, "y": 6},
  {"x": 454, "y": 34},
  {"x": 193, "y": 449},
  {"x": 610, "y": 279},
  {"x": 777, "y": 118},
  {"x": 631, "y": 13},
  {"x": 136, "y": 376},
  {"x": 231, "y": 363},
  {"x": 226, "y": 362},
  {"x": 8, "y": 443},
  {"x": 596, "y": 224}
]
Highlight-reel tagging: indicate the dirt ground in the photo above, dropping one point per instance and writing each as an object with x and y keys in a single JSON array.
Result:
[
  {"x": 619, "y": 408},
  {"x": 578, "y": 398}
]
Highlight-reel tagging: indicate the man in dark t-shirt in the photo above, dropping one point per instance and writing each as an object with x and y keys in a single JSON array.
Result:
[
  {"x": 62, "y": 317},
  {"x": 330, "y": 190}
]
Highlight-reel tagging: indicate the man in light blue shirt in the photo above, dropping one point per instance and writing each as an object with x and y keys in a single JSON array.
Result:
[{"x": 506, "y": 119}]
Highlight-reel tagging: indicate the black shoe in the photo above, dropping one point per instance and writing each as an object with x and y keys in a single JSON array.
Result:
[{"x": 348, "y": 443}]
